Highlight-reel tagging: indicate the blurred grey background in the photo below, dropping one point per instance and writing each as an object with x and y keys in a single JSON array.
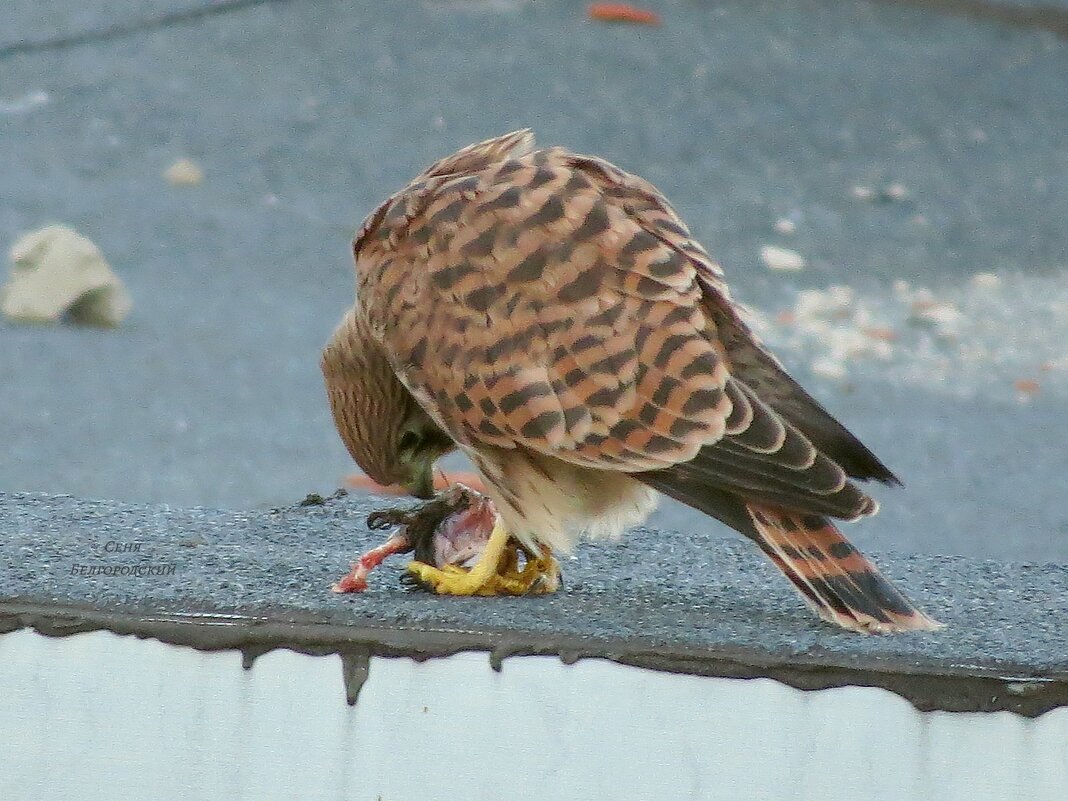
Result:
[{"x": 883, "y": 142}]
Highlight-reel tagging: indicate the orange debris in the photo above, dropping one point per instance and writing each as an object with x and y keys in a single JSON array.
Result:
[
  {"x": 1026, "y": 386},
  {"x": 622, "y": 12},
  {"x": 441, "y": 481},
  {"x": 880, "y": 333}
]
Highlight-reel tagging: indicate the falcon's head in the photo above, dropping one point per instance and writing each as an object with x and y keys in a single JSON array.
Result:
[{"x": 385, "y": 430}]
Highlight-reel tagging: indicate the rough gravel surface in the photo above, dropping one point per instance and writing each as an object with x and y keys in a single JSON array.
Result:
[{"x": 678, "y": 591}]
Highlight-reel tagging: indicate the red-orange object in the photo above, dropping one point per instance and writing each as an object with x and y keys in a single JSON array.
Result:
[
  {"x": 622, "y": 12},
  {"x": 356, "y": 579},
  {"x": 1026, "y": 386},
  {"x": 881, "y": 333},
  {"x": 441, "y": 481}
]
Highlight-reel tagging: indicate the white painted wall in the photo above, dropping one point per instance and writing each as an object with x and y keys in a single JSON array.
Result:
[{"x": 97, "y": 716}]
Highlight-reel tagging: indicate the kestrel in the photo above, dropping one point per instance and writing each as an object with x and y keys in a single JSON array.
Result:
[{"x": 551, "y": 316}]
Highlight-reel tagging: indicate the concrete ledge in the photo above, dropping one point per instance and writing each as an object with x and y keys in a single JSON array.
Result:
[
  {"x": 100, "y": 716},
  {"x": 681, "y": 603}
]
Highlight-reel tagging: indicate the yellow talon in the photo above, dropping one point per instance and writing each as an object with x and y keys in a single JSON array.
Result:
[
  {"x": 455, "y": 569},
  {"x": 496, "y": 572},
  {"x": 543, "y": 573}
]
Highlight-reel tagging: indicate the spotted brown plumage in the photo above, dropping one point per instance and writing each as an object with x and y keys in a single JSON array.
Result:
[{"x": 552, "y": 316}]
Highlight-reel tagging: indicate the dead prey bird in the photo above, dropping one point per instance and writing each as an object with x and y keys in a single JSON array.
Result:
[
  {"x": 450, "y": 532},
  {"x": 551, "y": 316}
]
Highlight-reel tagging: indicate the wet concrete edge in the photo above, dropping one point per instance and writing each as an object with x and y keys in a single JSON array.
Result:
[{"x": 961, "y": 688}]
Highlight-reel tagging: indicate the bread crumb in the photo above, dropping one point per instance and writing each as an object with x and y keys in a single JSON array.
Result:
[
  {"x": 184, "y": 172},
  {"x": 895, "y": 192},
  {"x": 776, "y": 258},
  {"x": 829, "y": 368},
  {"x": 785, "y": 226}
]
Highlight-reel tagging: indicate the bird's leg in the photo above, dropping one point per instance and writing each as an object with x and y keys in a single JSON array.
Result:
[
  {"x": 356, "y": 579},
  {"x": 495, "y": 573},
  {"x": 416, "y": 525}
]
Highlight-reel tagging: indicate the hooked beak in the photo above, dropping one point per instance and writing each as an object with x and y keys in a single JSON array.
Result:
[{"x": 421, "y": 484}]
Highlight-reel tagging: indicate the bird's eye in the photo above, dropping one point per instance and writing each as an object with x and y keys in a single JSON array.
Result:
[{"x": 409, "y": 441}]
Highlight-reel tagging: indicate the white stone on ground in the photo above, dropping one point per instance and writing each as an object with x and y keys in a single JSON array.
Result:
[
  {"x": 777, "y": 258},
  {"x": 184, "y": 172},
  {"x": 56, "y": 271}
]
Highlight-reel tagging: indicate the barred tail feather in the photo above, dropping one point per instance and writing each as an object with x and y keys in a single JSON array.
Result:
[{"x": 833, "y": 577}]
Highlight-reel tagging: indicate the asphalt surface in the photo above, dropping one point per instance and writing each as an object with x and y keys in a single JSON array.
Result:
[
  {"x": 305, "y": 115},
  {"x": 690, "y": 604},
  {"x": 665, "y": 590}
]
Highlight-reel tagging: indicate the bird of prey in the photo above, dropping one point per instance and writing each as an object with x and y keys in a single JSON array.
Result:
[{"x": 551, "y": 316}]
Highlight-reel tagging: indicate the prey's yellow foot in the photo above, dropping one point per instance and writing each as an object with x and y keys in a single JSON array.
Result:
[{"x": 496, "y": 572}]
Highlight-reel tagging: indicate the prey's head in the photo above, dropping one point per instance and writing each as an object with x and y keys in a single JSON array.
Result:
[{"x": 387, "y": 432}]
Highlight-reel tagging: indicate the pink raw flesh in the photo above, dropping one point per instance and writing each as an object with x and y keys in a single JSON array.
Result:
[
  {"x": 462, "y": 536},
  {"x": 356, "y": 579}
]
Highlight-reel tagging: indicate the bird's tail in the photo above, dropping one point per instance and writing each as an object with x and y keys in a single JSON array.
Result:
[{"x": 833, "y": 577}]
